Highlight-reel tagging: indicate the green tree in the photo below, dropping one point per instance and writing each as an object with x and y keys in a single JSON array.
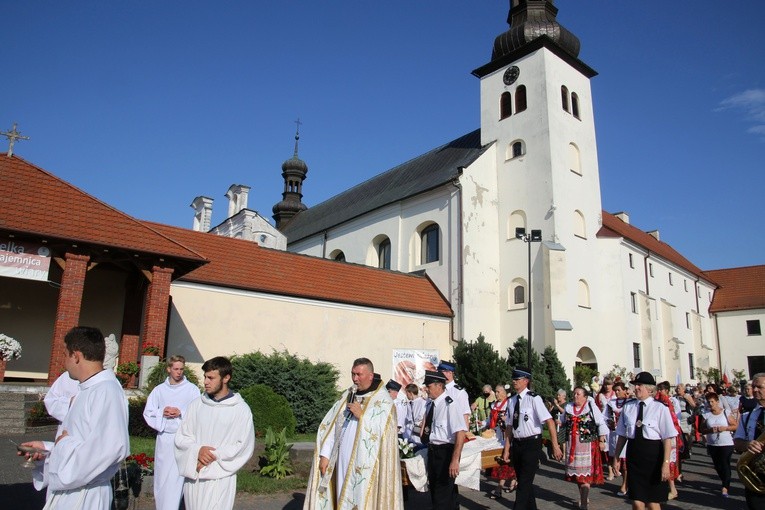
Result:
[
  {"x": 478, "y": 364},
  {"x": 583, "y": 375},
  {"x": 310, "y": 388},
  {"x": 517, "y": 356},
  {"x": 556, "y": 374}
]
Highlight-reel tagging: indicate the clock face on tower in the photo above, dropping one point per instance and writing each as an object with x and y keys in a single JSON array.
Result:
[{"x": 511, "y": 75}]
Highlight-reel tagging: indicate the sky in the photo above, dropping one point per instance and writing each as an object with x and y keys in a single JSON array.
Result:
[{"x": 147, "y": 105}]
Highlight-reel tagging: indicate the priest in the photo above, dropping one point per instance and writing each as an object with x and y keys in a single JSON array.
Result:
[
  {"x": 94, "y": 434},
  {"x": 165, "y": 408},
  {"x": 356, "y": 462},
  {"x": 216, "y": 438}
]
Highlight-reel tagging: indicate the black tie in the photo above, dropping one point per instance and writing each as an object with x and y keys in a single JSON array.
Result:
[
  {"x": 639, "y": 420},
  {"x": 516, "y": 413},
  {"x": 428, "y": 422}
]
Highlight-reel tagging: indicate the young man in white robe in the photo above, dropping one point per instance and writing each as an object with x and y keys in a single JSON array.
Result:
[
  {"x": 216, "y": 438},
  {"x": 94, "y": 438},
  {"x": 356, "y": 462},
  {"x": 164, "y": 411}
]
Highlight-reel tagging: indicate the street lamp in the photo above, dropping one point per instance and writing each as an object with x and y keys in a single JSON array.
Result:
[{"x": 534, "y": 237}]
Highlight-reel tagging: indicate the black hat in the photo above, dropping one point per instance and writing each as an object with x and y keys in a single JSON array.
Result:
[
  {"x": 644, "y": 378},
  {"x": 393, "y": 385},
  {"x": 521, "y": 373},
  {"x": 432, "y": 377},
  {"x": 448, "y": 366}
]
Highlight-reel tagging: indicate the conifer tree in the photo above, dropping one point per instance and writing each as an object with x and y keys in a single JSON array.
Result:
[{"x": 478, "y": 363}]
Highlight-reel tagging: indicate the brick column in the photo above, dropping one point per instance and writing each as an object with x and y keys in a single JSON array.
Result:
[
  {"x": 67, "y": 310},
  {"x": 155, "y": 308},
  {"x": 131, "y": 319}
]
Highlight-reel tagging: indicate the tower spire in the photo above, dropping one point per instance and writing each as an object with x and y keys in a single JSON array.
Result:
[{"x": 294, "y": 172}]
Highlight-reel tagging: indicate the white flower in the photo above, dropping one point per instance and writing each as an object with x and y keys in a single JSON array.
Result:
[{"x": 9, "y": 348}]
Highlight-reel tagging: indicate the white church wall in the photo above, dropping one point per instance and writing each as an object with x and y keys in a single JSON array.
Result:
[
  {"x": 739, "y": 346},
  {"x": 208, "y": 321}
]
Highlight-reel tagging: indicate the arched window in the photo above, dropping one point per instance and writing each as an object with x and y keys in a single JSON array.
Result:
[
  {"x": 505, "y": 105},
  {"x": 430, "y": 244},
  {"x": 574, "y": 161},
  {"x": 383, "y": 254},
  {"x": 337, "y": 255},
  {"x": 517, "y": 219},
  {"x": 517, "y": 149},
  {"x": 584, "y": 294},
  {"x": 519, "y": 295},
  {"x": 514, "y": 149},
  {"x": 579, "y": 226},
  {"x": 575, "y": 105},
  {"x": 564, "y": 98},
  {"x": 520, "y": 98}
]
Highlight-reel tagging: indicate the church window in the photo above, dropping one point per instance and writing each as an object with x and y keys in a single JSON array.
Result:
[
  {"x": 691, "y": 364},
  {"x": 520, "y": 98},
  {"x": 505, "y": 105},
  {"x": 575, "y": 105},
  {"x": 519, "y": 295},
  {"x": 517, "y": 219},
  {"x": 383, "y": 254},
  {"x": 579, "y": 226},
  {"x": 632, "y": 261},
  {"x": 517, "y": 149},
  {"x": 753, "y": 328},
  {"x": 574, "y": 160},
  {"x": 338, "y": 255},
  {"x": 430, "y": 244},
  {"x": 636, "y": 354},
  {"x": 584, "y": 294},
  {"x": 633, "y": 302},
  {"x": 564, "y": 98}
]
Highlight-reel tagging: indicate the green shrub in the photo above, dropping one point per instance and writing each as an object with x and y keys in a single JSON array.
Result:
[
  {"x": 158, "y": 374},
  {"x": 269, "y": 410},
  {"x": 136, "y": 424},
  {"x": 540, "y": 382},
  {"x": 310, "y": 388},
  {"x": 277, "y": 455},
  {"x": 583, "y": 375}
]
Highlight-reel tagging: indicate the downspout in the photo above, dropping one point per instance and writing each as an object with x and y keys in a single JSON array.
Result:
[
  {"x": 461, "y": 308},
  {"x": 696, "y": 294},
  {"x": 645, "y": 272},
  {"x": 324, "y": 245},
  {"x": 717, "y": 342}
]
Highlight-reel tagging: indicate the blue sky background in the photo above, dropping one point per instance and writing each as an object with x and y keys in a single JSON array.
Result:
[{"x": 146, "y": 105}]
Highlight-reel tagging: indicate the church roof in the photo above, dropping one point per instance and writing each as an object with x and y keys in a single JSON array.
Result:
[
  {"x": 741, "y": 288},
  {"x": 37, "y": 203},
  {"x": 613, "y": 226},
  {"x": 421, "y": 174},
  {"x": 241, "y": 264}
]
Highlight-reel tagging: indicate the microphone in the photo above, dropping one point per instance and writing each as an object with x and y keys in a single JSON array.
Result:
[{"x": 352, "y": 393}]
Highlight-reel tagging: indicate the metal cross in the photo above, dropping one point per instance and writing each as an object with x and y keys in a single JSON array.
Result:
[{"x": 13, "y": 135}]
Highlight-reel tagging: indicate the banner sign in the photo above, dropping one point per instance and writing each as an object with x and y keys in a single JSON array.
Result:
[
  {"x": 24, "y": 260},
  {"x": 409, "y": 365}
]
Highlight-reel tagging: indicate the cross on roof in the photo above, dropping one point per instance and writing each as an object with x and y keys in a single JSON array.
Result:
[{"x": 13, "y": 135}]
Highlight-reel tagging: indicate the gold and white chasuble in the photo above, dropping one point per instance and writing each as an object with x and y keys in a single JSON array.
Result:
[{"x": 371, "y": 479}]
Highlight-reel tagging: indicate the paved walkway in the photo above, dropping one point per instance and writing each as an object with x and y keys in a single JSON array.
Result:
[{"x": 700, "y": 489}]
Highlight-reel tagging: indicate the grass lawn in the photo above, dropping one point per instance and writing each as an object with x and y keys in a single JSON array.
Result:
[{"x": 247, "y": 481}]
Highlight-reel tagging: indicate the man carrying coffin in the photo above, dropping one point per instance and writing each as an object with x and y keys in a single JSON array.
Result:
[{"x": 356, "y": 463}]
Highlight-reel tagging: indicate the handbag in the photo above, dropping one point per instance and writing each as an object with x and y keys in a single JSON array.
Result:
[{"x": 563, "y": 433}]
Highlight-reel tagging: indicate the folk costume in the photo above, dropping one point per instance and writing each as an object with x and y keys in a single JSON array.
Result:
[
  {"x": 677, "y": 444},
  {"x": 80, "y": 466},
  {"x": 168, "y": 483},
  {"x": 225, "y": 425},
  {"x": 367, "y": 471},
  {"x": 497, "y": 423},
  {"x": 584, "y": 425}
]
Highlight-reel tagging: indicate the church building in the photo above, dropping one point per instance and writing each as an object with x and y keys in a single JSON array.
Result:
[{"x": 507, "y": 221}]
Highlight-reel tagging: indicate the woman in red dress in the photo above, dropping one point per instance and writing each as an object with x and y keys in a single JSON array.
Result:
[
  {"x": 586, "y": 433},
  {"x": 504, "y": 472}
]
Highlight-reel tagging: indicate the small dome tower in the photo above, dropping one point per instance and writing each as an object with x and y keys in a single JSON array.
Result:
[{"x": 294, "y": 171}]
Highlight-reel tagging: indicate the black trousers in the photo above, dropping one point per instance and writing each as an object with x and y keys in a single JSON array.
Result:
[
  {"x": 526, "y": 462},
  {"x": 721, "y": 456},
  {"x": 443, "y": 490}
]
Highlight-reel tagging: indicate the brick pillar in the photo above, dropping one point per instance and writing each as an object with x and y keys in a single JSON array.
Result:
[
  {"x": 155, "y": 308},
  {"x": 131, "y": 319},
  {"x": 67, "y": 310}
]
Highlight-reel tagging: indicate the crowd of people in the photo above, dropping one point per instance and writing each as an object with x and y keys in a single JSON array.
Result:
[{"x": 639, "y": 430}]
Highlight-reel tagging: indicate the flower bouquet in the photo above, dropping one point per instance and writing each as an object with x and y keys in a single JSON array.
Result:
[
  {"x": 405, "y": 449},
  {"x": 9, "y": 348},
  {"x": 144, "y": 462}
]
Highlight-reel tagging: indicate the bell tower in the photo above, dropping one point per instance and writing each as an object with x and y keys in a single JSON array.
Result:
[{"x": 294, "y": 172}]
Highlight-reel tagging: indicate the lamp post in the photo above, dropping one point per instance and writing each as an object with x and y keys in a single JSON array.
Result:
[{"x": 534, "y": 236}]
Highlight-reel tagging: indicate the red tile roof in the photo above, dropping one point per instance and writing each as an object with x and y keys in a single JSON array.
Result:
[
  {"x": 39, "y": 203},
  {"x": 613, "y": 226},
  {"x": 243, "y": 264},
  {"x": 741, "y": 288}
]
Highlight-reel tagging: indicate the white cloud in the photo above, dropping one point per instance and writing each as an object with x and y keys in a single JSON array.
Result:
[{"x": 752, "y": 103}]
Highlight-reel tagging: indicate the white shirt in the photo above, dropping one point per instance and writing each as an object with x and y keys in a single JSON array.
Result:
[
  {"x": 751, "y": 420},
  {"x": 447, "y": 420},
  {"x": 460, "y": 397},
  {"x": 723, "y": 438},
  {"x": 532, "y": 415},
  {"x": 657, "y": 420}
]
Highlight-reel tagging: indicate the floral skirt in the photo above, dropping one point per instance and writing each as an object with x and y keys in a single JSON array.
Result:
[
  {"x": 585, "y": 464},
  {"x": 504, "y": 472}
]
